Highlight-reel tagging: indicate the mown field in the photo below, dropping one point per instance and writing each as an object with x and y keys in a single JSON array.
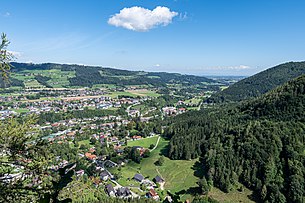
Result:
[
  {"x": 58, "y": 78},
  {"x": 179, "y": 175},
  {"x": 145, "y": 142},
  {"x": 133, "y": 93}
]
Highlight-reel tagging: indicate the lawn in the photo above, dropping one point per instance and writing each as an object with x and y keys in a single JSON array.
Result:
[{"x": 145, "y": 142}]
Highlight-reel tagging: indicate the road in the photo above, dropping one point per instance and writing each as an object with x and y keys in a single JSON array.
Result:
[{"x": 156, "y": 144}]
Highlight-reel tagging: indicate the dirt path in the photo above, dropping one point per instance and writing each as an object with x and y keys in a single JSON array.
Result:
[
  {"x": 156, "y": 144},
  {"x": 161, "y": 184}
]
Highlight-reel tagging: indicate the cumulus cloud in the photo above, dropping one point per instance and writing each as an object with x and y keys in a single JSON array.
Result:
[{"x": 142, "y": 19}]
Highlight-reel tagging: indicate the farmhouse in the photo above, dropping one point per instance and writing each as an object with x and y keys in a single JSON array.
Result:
[
  {"x": 152, "y": 194},
  {"x": 104, "y": 175},
  {"x": 110, "y": 190},
  {"x": 138, "y": 177},
  {"x": 123, "y": 192},
  {"x": 158, "y": 179}
]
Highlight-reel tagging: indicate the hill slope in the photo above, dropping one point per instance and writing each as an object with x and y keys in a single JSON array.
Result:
[
  {"x": 260, "y": 83},
  {"x": 259, "y": 143},
  {"x": 62, "y": 75}
]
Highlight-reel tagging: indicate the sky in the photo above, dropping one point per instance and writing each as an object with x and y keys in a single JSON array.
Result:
[{"x": 201, "y": 37}]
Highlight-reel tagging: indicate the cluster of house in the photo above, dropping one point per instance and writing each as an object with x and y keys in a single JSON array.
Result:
[
  {"x": 121, "y": 192},
  {"x": 150, "y": 185},
  {"x": 124, "y": 192},
  {"x": 6, "y": 114},
  {"x": 69, "y": 101},
  {"x": 171, "y": 111}
]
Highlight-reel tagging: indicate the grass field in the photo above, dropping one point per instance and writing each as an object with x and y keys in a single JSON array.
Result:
[
  {"x": 103, "y": 86},
  {"x": 145, "y": 142},
  {"x": 21, "y": 110},
  {"x": 231, "y": 197},
  {"x": 223, "y": 87},
  {"x": 178, "y": 175},
  {"x": 144, "y": 93},
  {"x": 134, "y": 93},
  {"x": 116, "y": 94},
  {"x": 194, "y": 101},
  {"x": 32, "y": 83},
  {"x": 58, "y": 78}
]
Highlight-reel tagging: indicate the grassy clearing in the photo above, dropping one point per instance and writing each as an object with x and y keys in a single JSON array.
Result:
[
  {"x": 223, "y": 87},
  {"x": 58, "y": 78},
  {"x": 145, "y": 142},
  {"x": 178, "y": 174},
  {"x": 111, "y": 86},
  {"x": 21, "y": 110},
  {"x": 231, "y": 197},
  {"x": 32, "y": 83},
  {"x": 116, "y": 94},
  {"x": 141, "y": 107},
  {"x": 194, "y": 101},
  {"x": 84, "y": 142},
  {"x": 144, "y": 93},
  {"x": 134, "y": 93}
]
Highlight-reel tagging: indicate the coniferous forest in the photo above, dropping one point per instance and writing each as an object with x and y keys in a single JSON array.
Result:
[{"x": 259, "y": 143}]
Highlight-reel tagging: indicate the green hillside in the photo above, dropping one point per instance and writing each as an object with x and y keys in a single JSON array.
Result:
[
  {"x": 259, "y": 144},
  {"x": 260, "y": 83},
  {"x": 61, "y": 75}
]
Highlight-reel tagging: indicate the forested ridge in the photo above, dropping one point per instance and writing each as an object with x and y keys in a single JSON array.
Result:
[
  {"x": 90, "y": 75},
  {"x": 259, "y": 143},
  {"x": 260, "y": 83}
]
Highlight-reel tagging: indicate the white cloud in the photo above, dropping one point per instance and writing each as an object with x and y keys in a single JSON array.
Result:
[
  {"x": 6, "y": 14},
  {"x": 240, "y": 67},
  {"x": 142, "y": 19},
  {"x": 183, "y": 16},
  {"x": 15, "y": 53},
  {"x": 157, "y": 65}
]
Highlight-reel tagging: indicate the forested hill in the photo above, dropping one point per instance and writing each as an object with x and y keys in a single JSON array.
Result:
[
  {"x": 63, "y": 75},
  {"x": 259, "y": 143},
  {"x": 260, "y": 83}
]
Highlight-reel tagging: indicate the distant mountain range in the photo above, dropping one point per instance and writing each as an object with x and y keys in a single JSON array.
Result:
[
  {"x": 260, "y": 83},
  {"x": 63, "y": 75}
]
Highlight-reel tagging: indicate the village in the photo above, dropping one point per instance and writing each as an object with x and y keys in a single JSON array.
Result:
[{"x": 103, "y": 122}]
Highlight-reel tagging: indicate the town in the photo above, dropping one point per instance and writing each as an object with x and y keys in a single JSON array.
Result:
[{"x": 101, "y": 129}]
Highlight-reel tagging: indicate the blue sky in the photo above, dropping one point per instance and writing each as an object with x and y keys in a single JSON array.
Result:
[{"x": 202, "y": 37}]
